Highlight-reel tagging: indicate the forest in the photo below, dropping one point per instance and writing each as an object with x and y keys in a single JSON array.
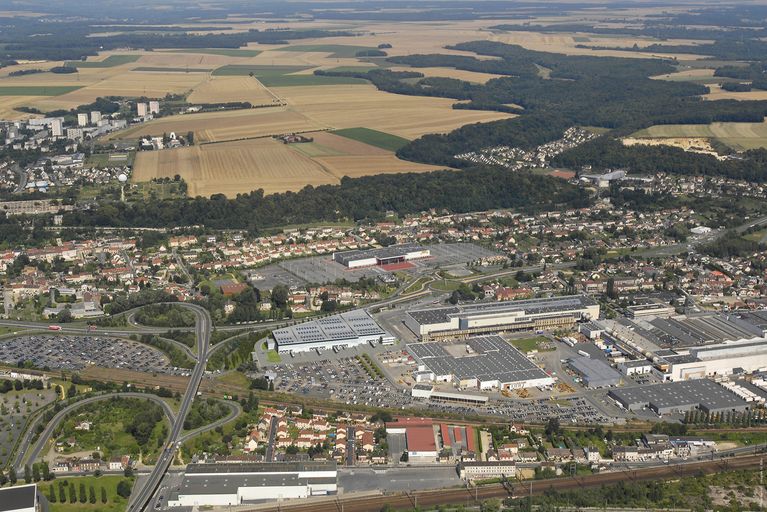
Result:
[{"x": 368, "y": 197}]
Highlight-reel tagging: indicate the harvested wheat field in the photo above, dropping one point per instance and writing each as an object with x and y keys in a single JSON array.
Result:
[
  {"x": 349, "y": 106},
  {"x": 233, "y": 167},
  {"x": 223, "y": 89},
  {"x": 458, "y": 74},
  {"x": 129, "y": 83},
  {"x": 717, "y": 93},
  {"x": 355, "y": 166},
  {"x": 739, "y": 136},
  {"x": 227, "y": 125}
]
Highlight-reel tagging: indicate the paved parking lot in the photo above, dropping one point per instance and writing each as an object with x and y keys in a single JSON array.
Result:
[
  {"x": 77, "y": 352},
  {"x": 397, "y": 479}
]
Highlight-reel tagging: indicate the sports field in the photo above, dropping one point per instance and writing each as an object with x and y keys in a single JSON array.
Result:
[{"x": 738, "y": 136}]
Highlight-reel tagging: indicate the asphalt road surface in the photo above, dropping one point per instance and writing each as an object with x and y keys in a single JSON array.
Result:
[{"x": 31, "y": 455}]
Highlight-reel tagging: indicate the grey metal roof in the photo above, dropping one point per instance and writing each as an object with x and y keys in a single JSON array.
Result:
[
  {"x": 679, "y": 395},
  {"x": 229, "y": 484},
  {"x": 260, "y": 467},
  {"x": 345, "y": 326},
  {"x": 493, "y": 359},
  {"x": 383, "y": 253},
  {"x": 16, "y": 498},
  {"x": 595, "y": 372},
  {"x": 530, "y": 307}
]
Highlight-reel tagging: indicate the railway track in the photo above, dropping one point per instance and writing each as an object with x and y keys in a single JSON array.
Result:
[{"x": 519, "y": 490}]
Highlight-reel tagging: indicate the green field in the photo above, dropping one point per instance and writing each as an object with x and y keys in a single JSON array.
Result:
[
  {"x": 335, "y": 50},
  {"x": 281, "y": 76},
  {"x": 738, "y": 136},
  {"x": 226, "y": 52},
  {"x": 273, "y": 356},
  {"x": 37, "y": 90},
  {"x": 529, "y": 344},
  {"x": 109, "y": 62},
  {"x": 150, "y": 69},
  {"x": 258, "y": 70},
  {"x": 446, "y": 285},
  {"x": 115, "y": 503},
  {"x": 373, "y": 137}
]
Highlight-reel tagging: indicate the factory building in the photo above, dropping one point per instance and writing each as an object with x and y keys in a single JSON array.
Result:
[
  {"x": 394, "y": 254},
  {"x": 679, "y": 397},
  {"x": 209, "y": 485},
  {"x": 595, "y": 373},
  {"x": 19, "y": 499},
  {"x": 713, "y": 360},
  {"x": 428, "y": 392},
  {"x": 467, "y": 319},
  {"x": 345, "y": 330},
  {"x": 483, "y": 362},
  {"x": 420, "y": 438}
]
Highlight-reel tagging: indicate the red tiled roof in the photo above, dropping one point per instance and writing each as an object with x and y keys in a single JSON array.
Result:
[{"x": 420, "y": 439}]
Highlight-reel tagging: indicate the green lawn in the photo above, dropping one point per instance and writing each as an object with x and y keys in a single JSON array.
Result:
[
  {"x": 335, "y": 50},
  {"x": 172, "y": 70},
  {"x": 529, "y": 344},
  {"x": 109, "y": 62},
  {"x": 416, "y": 286},
  {"x": 373, "y": 137},
  {"x": 115, "y": 503},
  {"x": 37, "y": 90},
  {"x": 446, "y": 285},
  {"x": 273, "y": 356},
  {"x": 226, "y": 52}
]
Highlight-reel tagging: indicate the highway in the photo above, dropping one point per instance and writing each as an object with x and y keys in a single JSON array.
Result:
[
  {"x": 26, "y": 454},
  {"x": 202, "y": 329}
]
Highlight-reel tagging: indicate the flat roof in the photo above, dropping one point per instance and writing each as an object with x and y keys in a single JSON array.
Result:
[
  {"x": 441, "y": 314},
  {"x": 670, "y": 395},
  {"x": 493, "y": 359},
  {"x": 420, "y": 439},
  {"x": 229, "y": 484},
  {"x": 15, "y": 498},
  {"x": 594, "y": 370},
  {"x": 345, "y": 326},
  {"x": 383, "y": 253},
  {"x": 259, "y": 467}
]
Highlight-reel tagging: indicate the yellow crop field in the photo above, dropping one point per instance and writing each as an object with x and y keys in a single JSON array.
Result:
[
  {"x": 233, "y": 167},
  {"x": 739, "y": 136},
  {"x": 355, "y": 166},
  {"x": 223, "y": 89},
  {"x": 458, "y": 74},
  {"x": 718, "y": 94},
  {"x": 349, "y": 106},
  {"x": 227, "y": 125}
]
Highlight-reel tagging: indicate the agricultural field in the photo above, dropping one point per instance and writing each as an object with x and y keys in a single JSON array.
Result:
[
  {"x": 352, "y": 106},
  {"x": 110, "y": 62},
  {"x": 738, "y": 136},
  {"x": 373, "y": 138},
  {"x": 36, "y": 90},
  {"x": 240, "y": 166},
  {"x": 223, "y": 89},
  {"x": 227, "y": 125},
  {"x": 226, "y": 52},
  {"x": 717, "y": 93}
]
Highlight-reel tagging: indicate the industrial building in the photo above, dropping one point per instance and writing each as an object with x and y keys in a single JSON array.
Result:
[
  {"x": 334, "y": 332},
  {"x": 420, "y": 438},
  {"x": 483, "y": 362},
  {"x": 241, "y": 483},
  {"x": 712, "y": 360},
  {"x": 486, "y": 470},
  {"x": 379, "y": 257},
  {"x": 428, "y": 392},
  {"x": 678, "y": 397},
  {"x": 595, "y": 373},
  {"x": 492, "y": 317},
  {"x": 19, "y": 499}
]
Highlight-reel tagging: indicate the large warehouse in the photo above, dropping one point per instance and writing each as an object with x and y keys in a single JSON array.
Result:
[
  {"x": 236, "y": 483},
  {"x": 595, "y": 373},
  {"x": 676, "y": 397},
  {"x": 344, "y": 330},
  {"x": 467, "y": 319},
  {"x": 713, "y": 360},
  {"x": 19, "y": 499},
  {"x": 383, "y": 256},
  {"x": 486, "y": 362}
]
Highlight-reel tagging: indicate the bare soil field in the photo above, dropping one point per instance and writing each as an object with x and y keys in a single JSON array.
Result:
[
  {"x": 692, "y": 144},
  {"x": 349, "y": 106},
  {"x": 223, "y": 89},
  {"x": 228, "y": 125},
  {"x": 739, "y": 136},
  {"x": 234, "y": 167}
]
